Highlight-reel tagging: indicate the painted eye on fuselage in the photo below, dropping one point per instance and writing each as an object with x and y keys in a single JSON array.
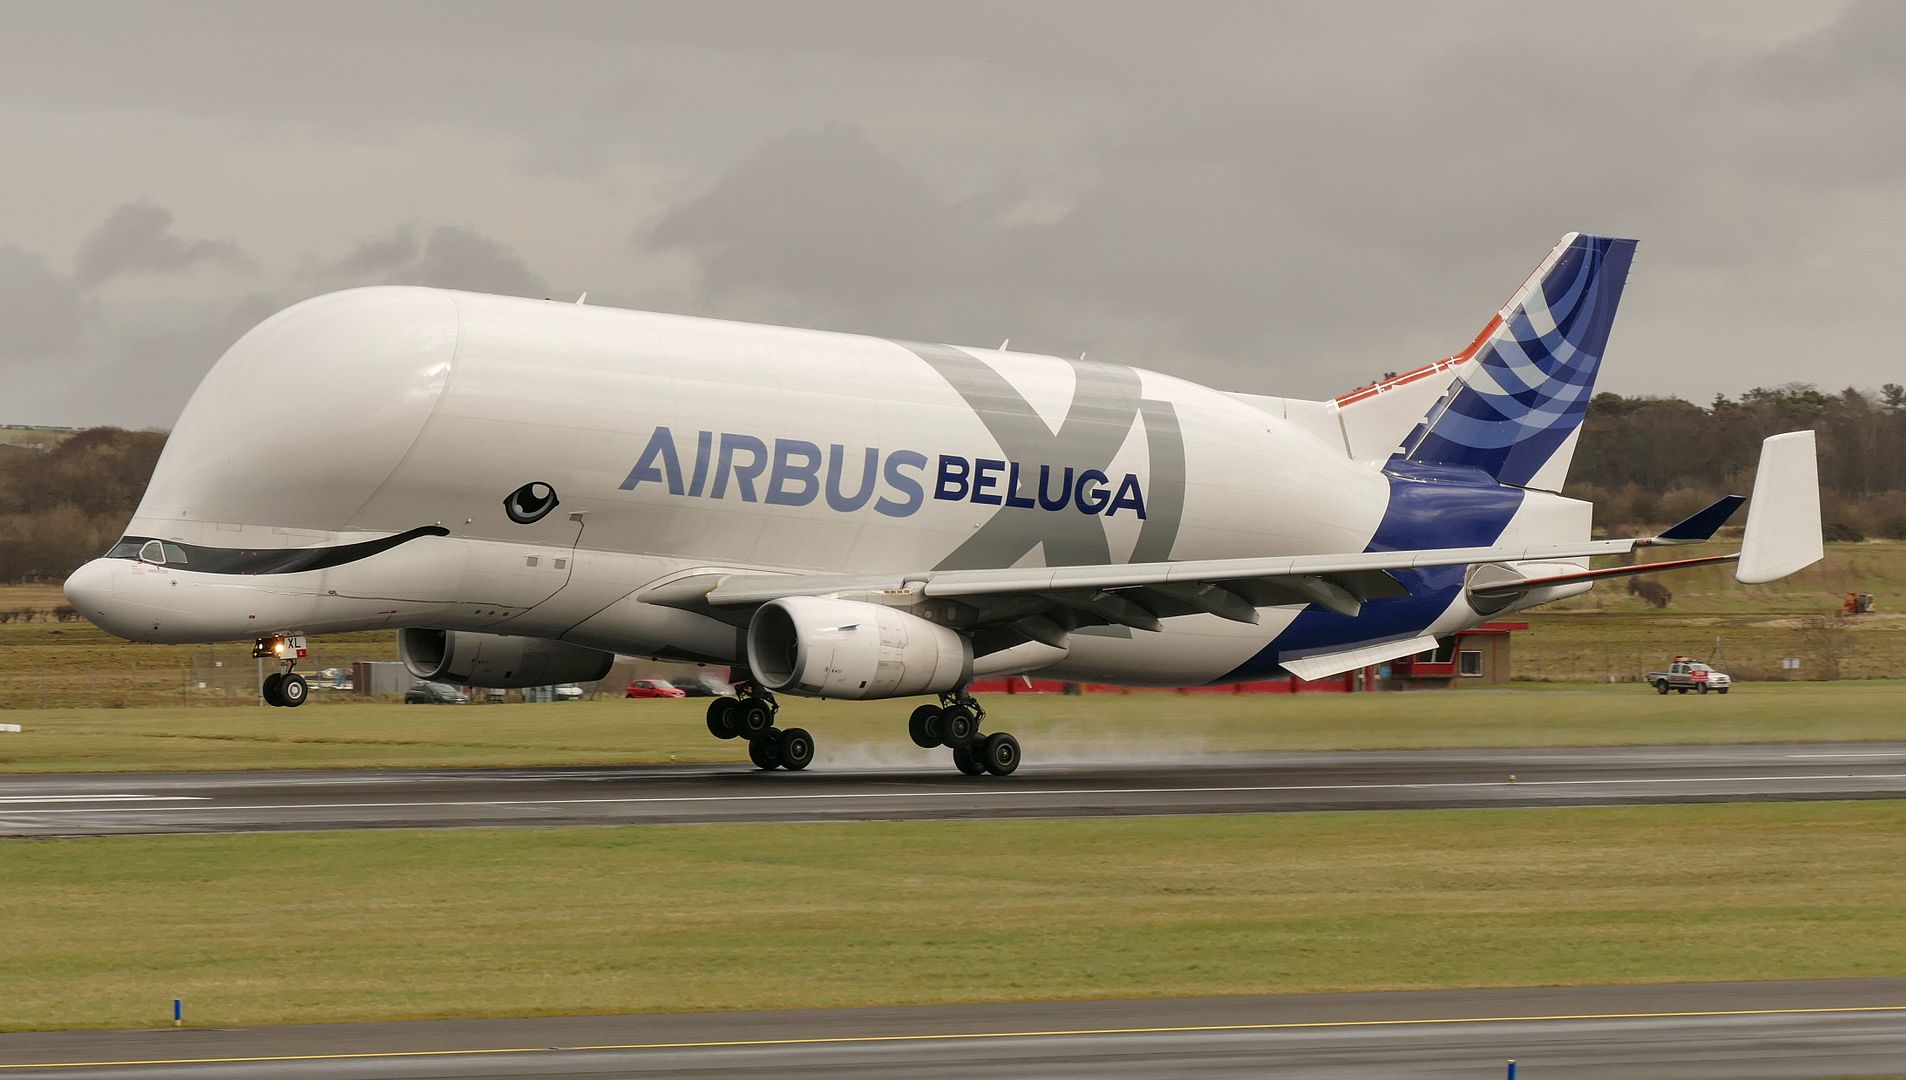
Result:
[{"x": 530, "y": 503}]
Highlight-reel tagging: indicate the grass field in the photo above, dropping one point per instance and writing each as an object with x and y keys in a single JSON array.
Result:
[
  {"x": 332, "y": 926},
  {"x": 1146, "y": 726}
]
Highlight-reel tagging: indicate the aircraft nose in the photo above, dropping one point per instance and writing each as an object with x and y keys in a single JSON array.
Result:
[{"x": 90, "y": 589}]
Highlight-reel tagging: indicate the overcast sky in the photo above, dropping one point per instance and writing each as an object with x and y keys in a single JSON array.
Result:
[{"x": 1285, "y": 199}]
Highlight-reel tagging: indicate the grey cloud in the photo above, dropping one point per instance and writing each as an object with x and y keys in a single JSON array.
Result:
[
  {"x": 41, "y": 312},
  {"x": 448, "y": 257},
  {"x": 138, "y": 238},
  {"x": 1288, "y": 199}
]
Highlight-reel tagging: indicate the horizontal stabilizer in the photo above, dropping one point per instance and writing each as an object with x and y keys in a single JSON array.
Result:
[
  {"x": 1699, "y": 528},
  {"x": 1518, "y": 586},
  {"x": 1324, "y": 665},
  {"x": 1783, "y": 521}
]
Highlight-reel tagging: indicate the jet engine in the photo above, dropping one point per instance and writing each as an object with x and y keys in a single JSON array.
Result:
[
  {"x": 498, "y": 660},
  {"x": 847, "y": 649}
]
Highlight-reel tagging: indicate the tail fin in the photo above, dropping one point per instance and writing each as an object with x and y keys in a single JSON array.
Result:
[{"x": 1516, "y": 410}]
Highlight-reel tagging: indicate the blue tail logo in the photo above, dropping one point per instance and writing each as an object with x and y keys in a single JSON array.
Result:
[{"x": 1511, "y": 411}]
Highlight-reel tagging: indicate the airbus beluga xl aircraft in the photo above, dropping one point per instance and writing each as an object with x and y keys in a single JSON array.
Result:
[{"x": 524, "y": 489}]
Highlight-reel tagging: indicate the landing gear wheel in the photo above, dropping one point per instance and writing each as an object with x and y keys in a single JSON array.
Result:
[
  {"x": 292, "y": 690},
  {"x": 924, "y": 727},
  {"x": 965, "y": 760},
  {"x": 999, "y": 754},
  {"x": 753, "y": 718},
  {"x": 765, "y": 751},
  {"x": 721, "y": 718},
  {"x": 795, "y": 749},
  {"x": 269, "y": 691},
  {"x": 958, "y": 725}
]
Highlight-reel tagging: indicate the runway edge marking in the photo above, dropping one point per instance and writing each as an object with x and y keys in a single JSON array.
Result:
[
  {"x": 837, "y": 1040},
  {"x": 1019, "y": 792}
]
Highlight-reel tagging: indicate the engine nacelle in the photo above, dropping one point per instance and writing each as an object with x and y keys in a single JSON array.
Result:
[
  {"x": 503, "y": 661},
  {"x": 847, "y": 649}
]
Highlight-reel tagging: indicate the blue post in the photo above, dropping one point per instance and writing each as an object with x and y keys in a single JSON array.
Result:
[
  {"x": 178, "y": 1017},
  {"x": 1512, "y": 1069}
]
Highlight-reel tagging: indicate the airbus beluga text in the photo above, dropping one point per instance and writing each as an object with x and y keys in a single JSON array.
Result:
[{"x": 526, "y": 489}]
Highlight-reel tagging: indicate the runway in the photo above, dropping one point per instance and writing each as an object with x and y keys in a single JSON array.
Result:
[
  {"x": 1737, "y": 1031},
  {"x": 114, "y": 803}
]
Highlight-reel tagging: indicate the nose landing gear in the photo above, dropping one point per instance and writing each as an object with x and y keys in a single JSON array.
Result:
[{"x": 284, "y": 688}]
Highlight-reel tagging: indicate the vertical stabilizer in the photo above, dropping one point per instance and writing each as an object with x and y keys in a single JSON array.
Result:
[{"x": 1515, "y": 411}]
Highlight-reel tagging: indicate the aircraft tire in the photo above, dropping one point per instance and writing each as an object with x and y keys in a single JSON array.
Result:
[
  {"x": 924, "y": 727},
  {"x": 1000, "y": 754},
  {"x": 753, "y": 718},
  {"x": 795, "y": 749},
  {"x": 292, "y": 690},
  {"x": 721, "y": 718},
  {"x": 765, "y": 751},
  {"x": 269, "y": 691},
  {"x": 965, "y": 760},
  {"x": 958, "y": 726}
]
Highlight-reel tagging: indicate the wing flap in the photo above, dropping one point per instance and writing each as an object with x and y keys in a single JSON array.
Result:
[{"x": 1323, "y": 665}]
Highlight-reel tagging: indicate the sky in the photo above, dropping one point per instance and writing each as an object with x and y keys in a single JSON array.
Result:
[{"x": 1285, "y": 199}]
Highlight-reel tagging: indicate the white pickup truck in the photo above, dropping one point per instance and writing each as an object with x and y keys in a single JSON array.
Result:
[{"x": 1686, "y": 674}]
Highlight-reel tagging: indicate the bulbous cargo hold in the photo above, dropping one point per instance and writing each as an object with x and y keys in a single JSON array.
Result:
[{"x": 848, "y": 649}]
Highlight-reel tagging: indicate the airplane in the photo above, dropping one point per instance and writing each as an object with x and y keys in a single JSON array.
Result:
[{"x": 525, "y": 489}]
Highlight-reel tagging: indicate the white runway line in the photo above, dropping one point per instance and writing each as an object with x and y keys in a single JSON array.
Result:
[
  {"x": 1854, "y": 754},
  {"x": 1023, "y": 792},
  {"x": 11, "y": 799}
]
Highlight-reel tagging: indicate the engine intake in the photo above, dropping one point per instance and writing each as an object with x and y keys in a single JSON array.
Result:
[
  {"x": 503, "y": 661},
  {"x": 847, "y": 649}
]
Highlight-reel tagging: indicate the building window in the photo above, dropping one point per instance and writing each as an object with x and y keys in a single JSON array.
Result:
[{"x": 1471, "y": 662}]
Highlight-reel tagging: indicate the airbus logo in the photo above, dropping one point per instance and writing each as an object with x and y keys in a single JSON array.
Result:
[{"x": 796, "y": 472}]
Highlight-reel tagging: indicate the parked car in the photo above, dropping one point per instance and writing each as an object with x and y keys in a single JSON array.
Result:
[
  {"x": 653, "y": 688},
  {"x": 435, "y": 693},
  {"x": 704, "y": 684},
  {"x": 569, "y": 692}
]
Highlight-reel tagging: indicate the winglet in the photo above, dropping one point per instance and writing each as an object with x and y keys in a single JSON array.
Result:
[
  {"x": 1783, "y": 521},
  {"x": 1699, "y": 527}
]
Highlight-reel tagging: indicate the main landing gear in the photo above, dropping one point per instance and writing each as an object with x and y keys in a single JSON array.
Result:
[
  {"x": 751, "y": 716},
  {"x": 284, "y": 688},
  {"x": 955, "y": 723}
]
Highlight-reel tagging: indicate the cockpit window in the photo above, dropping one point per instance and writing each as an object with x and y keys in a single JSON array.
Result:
[
  {"x": 153, "y": 552},
  {"x": 125, "y": 549},
  {"x": 174, "y": 554}
]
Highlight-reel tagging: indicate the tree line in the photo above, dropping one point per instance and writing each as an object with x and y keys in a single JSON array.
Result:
[
  {"x": 67, "y": 503},
  {"x": 1648, "y": 461},
  {"x": 1643, "y": 461}
]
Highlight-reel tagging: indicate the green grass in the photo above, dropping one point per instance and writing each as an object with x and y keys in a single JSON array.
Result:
[
  {"x": 271, "y": 928},
  {"x": 1095, "y": 726}
]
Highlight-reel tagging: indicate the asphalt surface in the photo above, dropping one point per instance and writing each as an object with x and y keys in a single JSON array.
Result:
[
  {"x": 1719, "y": 1031},
  {"x": 106, "y": 803}
]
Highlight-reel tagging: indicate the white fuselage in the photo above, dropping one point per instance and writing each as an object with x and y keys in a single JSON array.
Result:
[{"x": 679, "y": 447}]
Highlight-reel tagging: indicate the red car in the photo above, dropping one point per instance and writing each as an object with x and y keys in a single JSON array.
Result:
[{"x": 653, "y": 688}]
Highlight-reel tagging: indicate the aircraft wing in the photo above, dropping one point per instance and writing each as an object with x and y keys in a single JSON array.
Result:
[{"x": 1044, "y": 603}]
